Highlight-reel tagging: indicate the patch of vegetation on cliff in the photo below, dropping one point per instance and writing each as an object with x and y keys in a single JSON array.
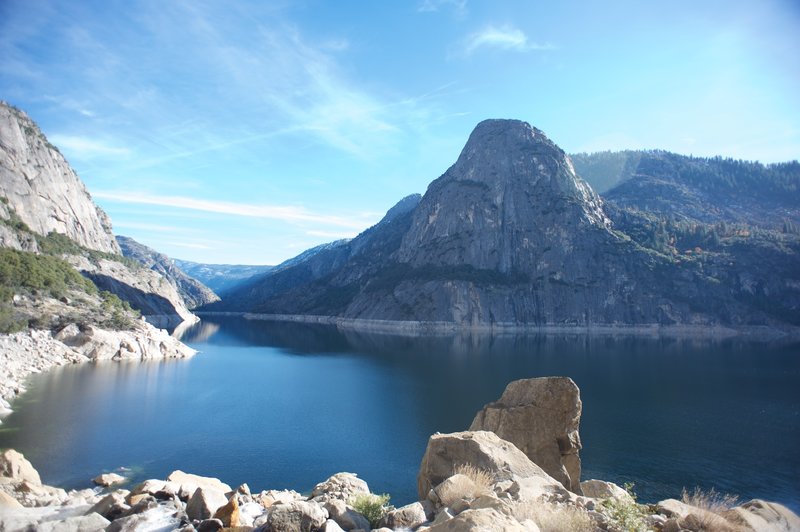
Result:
[{"x": 39, "y": 273}]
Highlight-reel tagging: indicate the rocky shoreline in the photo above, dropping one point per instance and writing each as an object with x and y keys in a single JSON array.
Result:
[
  {"x": 34, "y": 351},
  {"x": 523, "y": 475}
]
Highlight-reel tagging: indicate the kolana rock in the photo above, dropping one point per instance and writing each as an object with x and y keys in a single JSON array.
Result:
[{"x": 541, "y": 417}]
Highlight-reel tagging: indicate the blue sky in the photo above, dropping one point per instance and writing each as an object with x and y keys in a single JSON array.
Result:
[{"x": 246, "y": 132}]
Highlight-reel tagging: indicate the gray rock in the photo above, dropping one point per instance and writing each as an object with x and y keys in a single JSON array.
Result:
[
  {"x": 481, "y": 449},
  {"x": 83, "y": 523},
  {"x": 188, "y": 483},
  {"x": 341, "y": 486},
  {"x": 485, "y": 520},
  {"x": 331, "y": 526},
  {"x": 541, "y": 417},
  {"x": 296, "y": 516},
  {"x": 204, "y": 502},
  {"x": 345, "y": 516},
  {"x": 767, "y": 516},
  {"x": 408, "y": 516},
  {"x": 600, "y": 489},
  {"x": 111, "y": 506}
]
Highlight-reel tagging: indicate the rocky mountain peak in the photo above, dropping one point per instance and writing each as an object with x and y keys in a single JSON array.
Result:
[{"x": 511, "y": 195}]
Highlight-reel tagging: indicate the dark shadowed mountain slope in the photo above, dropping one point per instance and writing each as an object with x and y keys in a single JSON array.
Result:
[
  {"x": 508, "y": 235},
  {"x": 303, "y": 281},
  {"x": 193, "y": 292}
]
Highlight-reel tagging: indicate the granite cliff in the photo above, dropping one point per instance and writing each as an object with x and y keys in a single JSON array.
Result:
[
  {"x": 42, "y": 188},
  {"x": 509, "y": 235},
  {"x": 193, "y": 292},
  {"x": 49, "y": 220}
]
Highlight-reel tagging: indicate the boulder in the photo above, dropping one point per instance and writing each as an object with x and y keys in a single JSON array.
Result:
[
  {"x": 483, "y": 450},
  {"x": 189, "y": 483},
  {"x": 81, "y": 523},
  {"x": 108, "y": 479},
  {"x": 111, "y": 506},
  {"x": 341, "y": 486},
  {"x": 408, "y": 516},
  {"x": 209, "y": 525},
  {"x": 14, "y": 465},
  {"x": 767, "y": 516},
  {"x": 269, "y": 497},
  {"x": 485, "y": 520},
  {"x": 600, "y": 489},
  {"x": 204, "y": 503},
  {"x": 229, "y": 513},
  {"x": 8, "y": 502},
  {"x": 153, "y": 486},
  {"x": 346, "y": 516},
  {"x": 296, "y": 516},
  {"x": 331, "y": 526},
  {"x": 541, "y": 417}
]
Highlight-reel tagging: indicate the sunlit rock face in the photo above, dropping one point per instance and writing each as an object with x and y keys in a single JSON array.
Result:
[
  {"x": 509, "y": 235},
  {"x": 42, "y": 188}
]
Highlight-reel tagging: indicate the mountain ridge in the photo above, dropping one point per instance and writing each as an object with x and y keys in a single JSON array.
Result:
[{"x": 510, "y": 234}]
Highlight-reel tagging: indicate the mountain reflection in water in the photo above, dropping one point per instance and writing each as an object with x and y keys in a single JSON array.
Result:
[{"x": 285, "y": 405}]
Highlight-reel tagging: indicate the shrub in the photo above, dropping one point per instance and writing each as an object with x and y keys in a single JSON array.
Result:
[
  {"x": 482, "y": 479},
  {"x": 553, "y": 518},
  {"x": 714, "y": 506},
  {"x": 457, "y": 487},
  {"x": 625, "y": 514},
  {"x": 373, "y": 507}
]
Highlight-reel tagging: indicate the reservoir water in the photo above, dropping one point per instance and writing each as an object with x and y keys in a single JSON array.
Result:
[{"x": 281, "y": 405}]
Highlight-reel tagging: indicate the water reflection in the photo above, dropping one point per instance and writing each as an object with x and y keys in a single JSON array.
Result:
[{"x": 287, "y": 404}]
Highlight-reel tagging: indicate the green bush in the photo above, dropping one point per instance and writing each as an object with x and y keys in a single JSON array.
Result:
[
  {"x": 39, "y": 273},
  {"x": 373, "y": 507},
  {"x": 9, "y": 321},
  {"x": 626, "y": 515}
]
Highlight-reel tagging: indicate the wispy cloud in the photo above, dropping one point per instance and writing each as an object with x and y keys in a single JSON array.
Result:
[
  {"x": 285, "y": 213},
  {"x": 429, "y": 6},
  {"x": 504, "y": 38},
  {"x": 86, "y": 148},
  {"x": 333, "y": 234},
  {"x": 149, "y": 227}
]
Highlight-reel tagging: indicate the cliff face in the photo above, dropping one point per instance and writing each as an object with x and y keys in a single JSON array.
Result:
[
  {"x": 42, "y": 188},
  {"x": 193, "y": 292},
  {"x": 45, "y": 209},
  {"x": 508, "y": 235}
]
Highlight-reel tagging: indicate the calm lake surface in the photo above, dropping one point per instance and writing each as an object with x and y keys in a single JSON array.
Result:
[{"x": 282, "y": 405}]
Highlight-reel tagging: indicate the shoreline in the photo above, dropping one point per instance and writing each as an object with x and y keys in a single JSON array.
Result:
[
  {"x": 411, "y": 328},
  {"x": 25, "y": 353}
]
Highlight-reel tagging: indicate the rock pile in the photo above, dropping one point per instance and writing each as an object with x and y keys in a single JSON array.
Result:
[{"x": 468, "y": 481}]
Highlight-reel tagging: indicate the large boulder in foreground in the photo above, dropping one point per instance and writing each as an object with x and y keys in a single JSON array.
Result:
[
  {"x": 541, "y": 417},
  {"x": 483, "y": 450}
]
